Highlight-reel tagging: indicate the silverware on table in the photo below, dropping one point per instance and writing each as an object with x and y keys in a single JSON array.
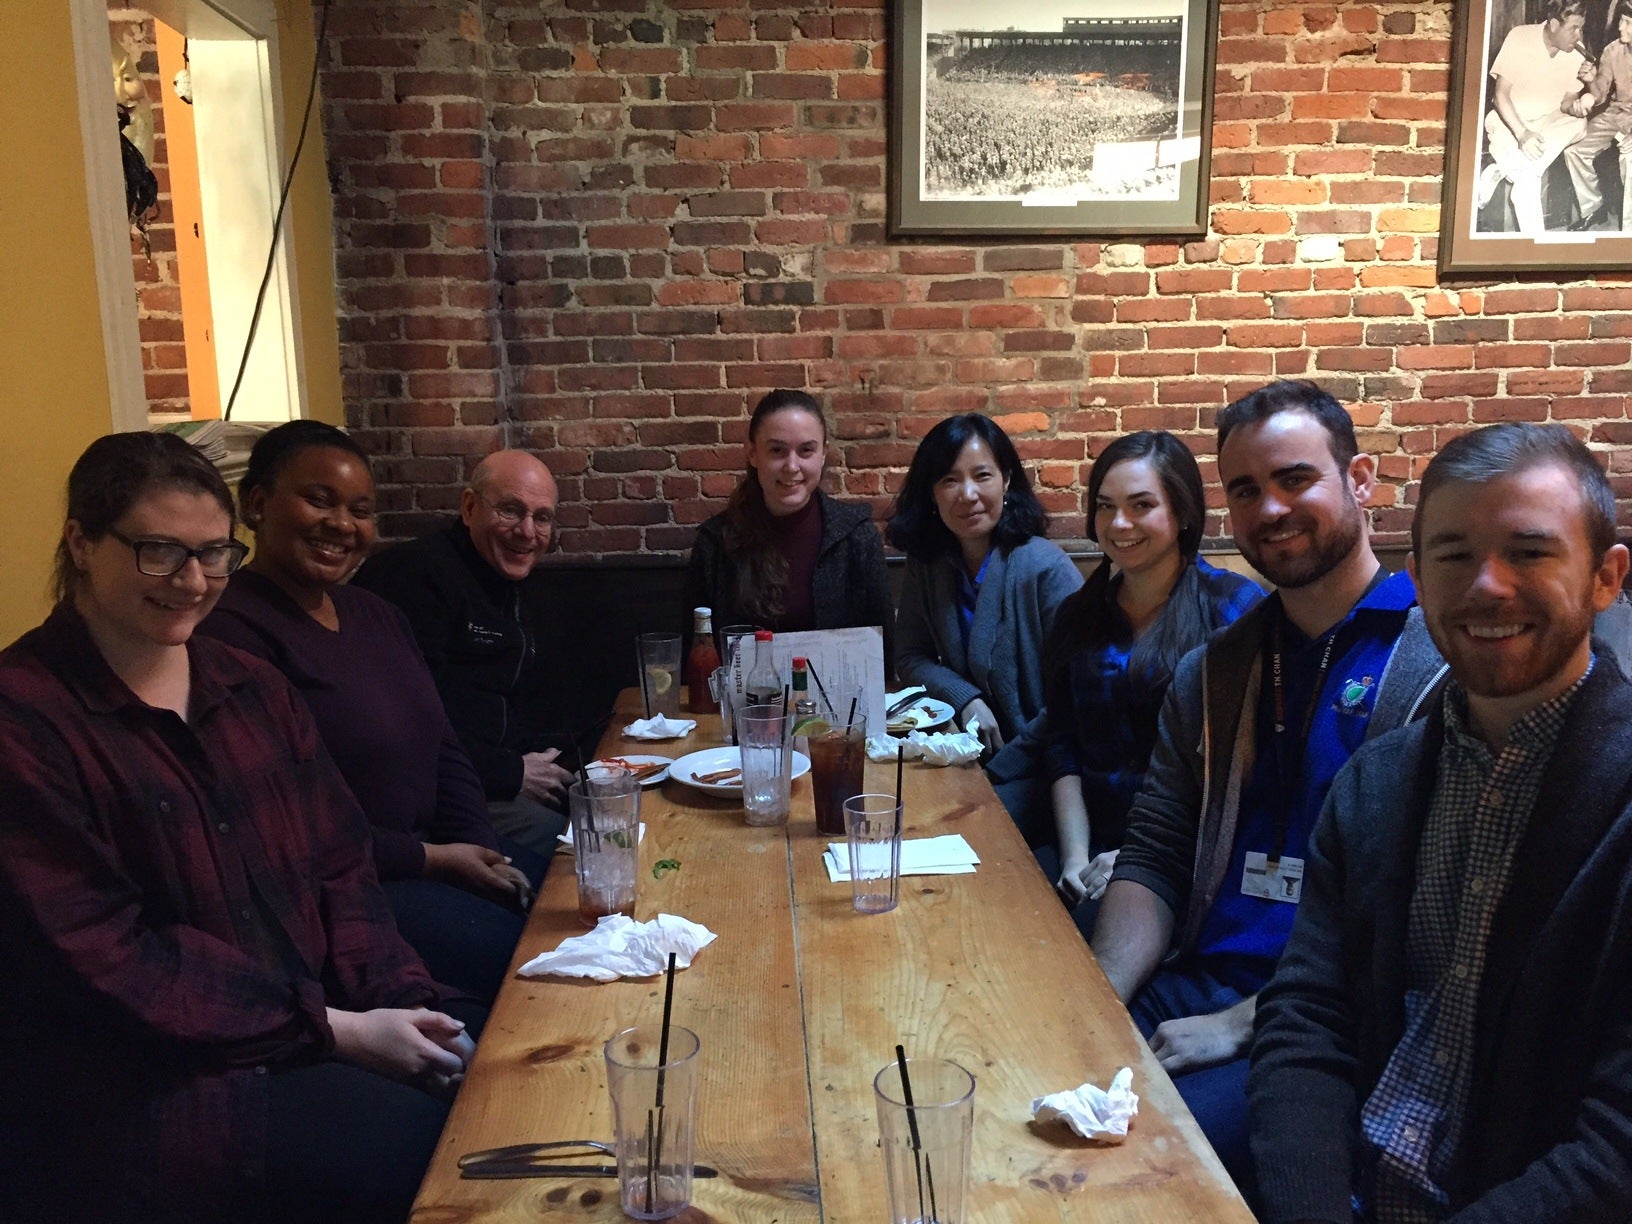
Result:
[
  {"x": 906, "y": 703},
  {"x": 520, "y": 1160}
]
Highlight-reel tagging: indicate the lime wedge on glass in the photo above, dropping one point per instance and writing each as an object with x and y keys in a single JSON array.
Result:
[{"x": 811, "y": 725}]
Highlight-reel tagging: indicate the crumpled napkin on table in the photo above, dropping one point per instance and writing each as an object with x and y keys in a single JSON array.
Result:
[
  {"x": 660, "y": 728},
  {"x": 1094, "y": 1113},
  {"x": 621, "y": 947},
  {"x": 932, "y": 747}
]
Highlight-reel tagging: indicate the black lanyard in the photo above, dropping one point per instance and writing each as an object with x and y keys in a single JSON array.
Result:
[{"x": 1291, "y": 779}]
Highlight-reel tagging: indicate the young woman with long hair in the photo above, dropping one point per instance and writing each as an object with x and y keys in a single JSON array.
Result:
[
  {"x": 1115, "y": 643},
  {"x": 783, "y": 554}
]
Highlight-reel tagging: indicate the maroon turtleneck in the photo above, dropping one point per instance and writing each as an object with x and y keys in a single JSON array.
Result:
[{"x": 799, "y": 538}]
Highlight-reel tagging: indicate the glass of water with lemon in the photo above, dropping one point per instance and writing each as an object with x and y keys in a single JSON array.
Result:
[{"x": 660, "y": 673}]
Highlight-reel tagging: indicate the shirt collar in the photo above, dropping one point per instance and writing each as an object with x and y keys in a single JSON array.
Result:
[
  {"x": 71, "y": 654},
  {"x": 1537, "y": 728}
]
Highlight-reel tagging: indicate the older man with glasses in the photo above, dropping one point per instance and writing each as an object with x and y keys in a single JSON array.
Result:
[{"x": 465, "y": 588}]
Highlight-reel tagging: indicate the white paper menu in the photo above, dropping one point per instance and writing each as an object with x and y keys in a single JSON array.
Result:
[{"x": 846, "y": 662}]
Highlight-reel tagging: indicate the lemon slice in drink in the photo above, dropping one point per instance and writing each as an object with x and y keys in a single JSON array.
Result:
[
  {"x": 662, "y": 680},
  {"x": 811, "y": 725}
]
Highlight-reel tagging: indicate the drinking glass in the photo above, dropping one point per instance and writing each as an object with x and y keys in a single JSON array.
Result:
[
  {"x": 837, "y": 759},
  {"x": 767, "y": 763},
  {"x": 660, "y": 673},
  {"x": 926, "y": 1145},
  {"x": 872, "y": 823},
  {"x": 654, "y": 1112},
  {"x": 605, "y": 809}
]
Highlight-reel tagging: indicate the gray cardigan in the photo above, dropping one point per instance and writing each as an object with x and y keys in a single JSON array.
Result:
[
  {"x": 1548, "y": 1136},
  {"x": 1004, "y": 662}
]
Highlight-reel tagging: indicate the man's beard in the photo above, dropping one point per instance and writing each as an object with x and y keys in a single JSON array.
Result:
[{"x": 1331, "y": 546}]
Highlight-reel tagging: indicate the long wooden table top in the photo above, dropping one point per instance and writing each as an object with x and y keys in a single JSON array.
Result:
[{"x": 798, "y": 1004}]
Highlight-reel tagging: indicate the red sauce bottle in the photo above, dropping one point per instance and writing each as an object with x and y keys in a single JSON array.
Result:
[{"x": 702, "y": 661}]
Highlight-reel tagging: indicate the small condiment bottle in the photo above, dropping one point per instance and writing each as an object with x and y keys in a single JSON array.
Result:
[{"x": 702, "y": 661}]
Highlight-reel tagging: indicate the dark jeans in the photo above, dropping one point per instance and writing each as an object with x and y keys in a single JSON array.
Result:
[
  {"x": 466, "y": 941},
  {"x": 1217, "y": 1096},
  {"x": 1048, "y": 858}
]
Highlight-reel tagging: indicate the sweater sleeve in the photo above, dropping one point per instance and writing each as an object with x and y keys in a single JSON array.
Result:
[
  {"x": 918, "y": 659},
  {"x": 1301, "y": 1094},
  {"x": 461, "y": 805},
  {"x": 1159, "y": 848}
]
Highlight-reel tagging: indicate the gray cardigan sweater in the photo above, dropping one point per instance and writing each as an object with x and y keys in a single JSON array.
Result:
[
  {"x": 1004, "y": 661},
  {"x": 1548, "y": 1136}
]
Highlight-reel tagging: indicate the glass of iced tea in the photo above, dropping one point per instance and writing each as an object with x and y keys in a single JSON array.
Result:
[
  {"x": 605, "y": 809},
  {"x": 838, "y": 754}
]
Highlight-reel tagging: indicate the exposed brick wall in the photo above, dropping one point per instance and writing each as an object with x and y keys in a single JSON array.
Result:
[
  {"x": 603, "y": 228},
  {"x": 158, "y": 286}
]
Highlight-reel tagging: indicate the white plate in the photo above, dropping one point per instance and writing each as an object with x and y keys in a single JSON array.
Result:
[
  {"x": 922, "y": 715},
  {"x": 632, "y": 758},
  {"x": 712, "y": 760}
]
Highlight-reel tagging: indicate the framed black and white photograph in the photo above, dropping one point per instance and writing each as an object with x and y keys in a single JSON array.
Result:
[
  {"x": 1538, "y": 156},
  {"x": 1051, "y": 117}
]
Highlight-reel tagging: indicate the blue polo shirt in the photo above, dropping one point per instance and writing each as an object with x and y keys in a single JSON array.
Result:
[{"x": 1242, "y": 936}]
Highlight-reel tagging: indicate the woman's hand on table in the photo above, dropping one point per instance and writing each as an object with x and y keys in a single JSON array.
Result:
[
  {"x": 487, "y": 873},
  {"x": 413, "y": 1045},
  {"x": 991, "y": 735}
]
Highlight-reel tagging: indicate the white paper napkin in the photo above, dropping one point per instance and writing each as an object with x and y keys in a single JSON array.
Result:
[
  {"x": 621, "y": 947},
  {"x": 660, "y": 728},
  {"x": 565, "y": 837},
  {"x": 1094, "y": 1113},
  {"x": 946, "y": 855},
  {"x": 932, "y": 747}
]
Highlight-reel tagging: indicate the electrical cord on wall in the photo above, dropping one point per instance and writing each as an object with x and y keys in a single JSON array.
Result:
[{"x": 283, "y": 203}]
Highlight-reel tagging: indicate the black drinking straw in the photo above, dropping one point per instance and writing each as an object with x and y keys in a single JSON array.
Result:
[
  {"x": 654, "y": 1116},
  {"x": 640, "y": 664},
  {"x": 851, "y": 720},
  {"x": 589, "y": 800},
  {"x": 810, "y": 666},
  {"x": 900, "y": 760},
  {"x": 918, "y": 1160},
  {"x": 786, "y": 688}
]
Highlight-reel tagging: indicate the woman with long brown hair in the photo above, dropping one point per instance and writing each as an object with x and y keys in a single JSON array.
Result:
[{"x": 783, "y": 554}]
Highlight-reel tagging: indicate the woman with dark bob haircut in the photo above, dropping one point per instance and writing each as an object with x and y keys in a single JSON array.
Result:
[
  {"x": 217, "y": 1016},
  {"x": 458, "y": 893},
  {"x": 783, "y": 554},
  {"x": 980, "y": 590},
  {"x": 1110, "y": 656}
]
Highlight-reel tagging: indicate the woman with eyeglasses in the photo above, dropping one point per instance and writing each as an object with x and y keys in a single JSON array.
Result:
[
  {"x": 213, "y": 1014},
  {"x": 458, "y": 892},
  {"x": 783, "y": 554},
  {"x": 981, "y": 587}
]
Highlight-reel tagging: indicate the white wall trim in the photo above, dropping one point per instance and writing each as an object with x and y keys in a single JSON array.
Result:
[{"x": 110, "y": 229}]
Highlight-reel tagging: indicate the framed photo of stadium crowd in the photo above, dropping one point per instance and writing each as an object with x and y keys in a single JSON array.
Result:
[
  {"x": 1538, "y": 147},
  {"x": 1051, "y": 117}
]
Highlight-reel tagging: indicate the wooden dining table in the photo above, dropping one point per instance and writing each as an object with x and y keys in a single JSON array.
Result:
[{"x": 798, "y": 1004}]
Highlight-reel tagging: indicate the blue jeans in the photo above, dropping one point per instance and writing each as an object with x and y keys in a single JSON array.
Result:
[{"x": 1217, "y": 1096}]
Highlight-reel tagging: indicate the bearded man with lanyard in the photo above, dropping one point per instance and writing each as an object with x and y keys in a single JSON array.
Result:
[{"x": 1255, "y": 726}]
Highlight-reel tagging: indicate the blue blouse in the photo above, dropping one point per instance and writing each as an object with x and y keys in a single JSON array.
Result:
[{"x": 1107, "y": 731}]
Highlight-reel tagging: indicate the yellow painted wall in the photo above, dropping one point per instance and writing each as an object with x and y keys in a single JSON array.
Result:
[
  {"x": 53, "y": 381},
  {"x": 312, "y": 217},
  {"x": 53, "y": 378}
]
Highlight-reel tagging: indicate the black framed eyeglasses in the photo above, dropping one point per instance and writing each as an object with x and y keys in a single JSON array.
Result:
[
  {"x": 511, "y": 513},
  {"x": 158, "y": 558}
]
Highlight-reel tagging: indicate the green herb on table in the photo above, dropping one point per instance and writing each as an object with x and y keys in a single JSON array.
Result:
[{"x": 662, "y": 867}]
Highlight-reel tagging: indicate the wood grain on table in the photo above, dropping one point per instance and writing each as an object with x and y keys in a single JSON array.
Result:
[{"x": 798, "y": 1004}]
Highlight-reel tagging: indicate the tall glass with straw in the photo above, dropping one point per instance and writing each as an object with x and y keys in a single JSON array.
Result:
[{"x": 926, "y": 1122}]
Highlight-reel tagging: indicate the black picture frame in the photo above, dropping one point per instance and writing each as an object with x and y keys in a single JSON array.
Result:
[
  {"x": 995, "y": 97},
  {"x": 1480, "y": 229}
]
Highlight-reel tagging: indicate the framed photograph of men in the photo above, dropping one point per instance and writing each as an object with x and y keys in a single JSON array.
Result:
[
  {"x": 1068, "y": 118},
  {"x": 1538, "y": 150}
]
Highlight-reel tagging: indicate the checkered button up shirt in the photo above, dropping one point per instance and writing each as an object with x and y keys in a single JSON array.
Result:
[{"x": 1482, "y": 801}]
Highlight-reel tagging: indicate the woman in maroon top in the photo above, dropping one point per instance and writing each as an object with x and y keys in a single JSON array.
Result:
[
  {"x": 783, "y": 554},
  {"x": 458, "y": 895},
  {"x": 214, "y": 1015}
]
